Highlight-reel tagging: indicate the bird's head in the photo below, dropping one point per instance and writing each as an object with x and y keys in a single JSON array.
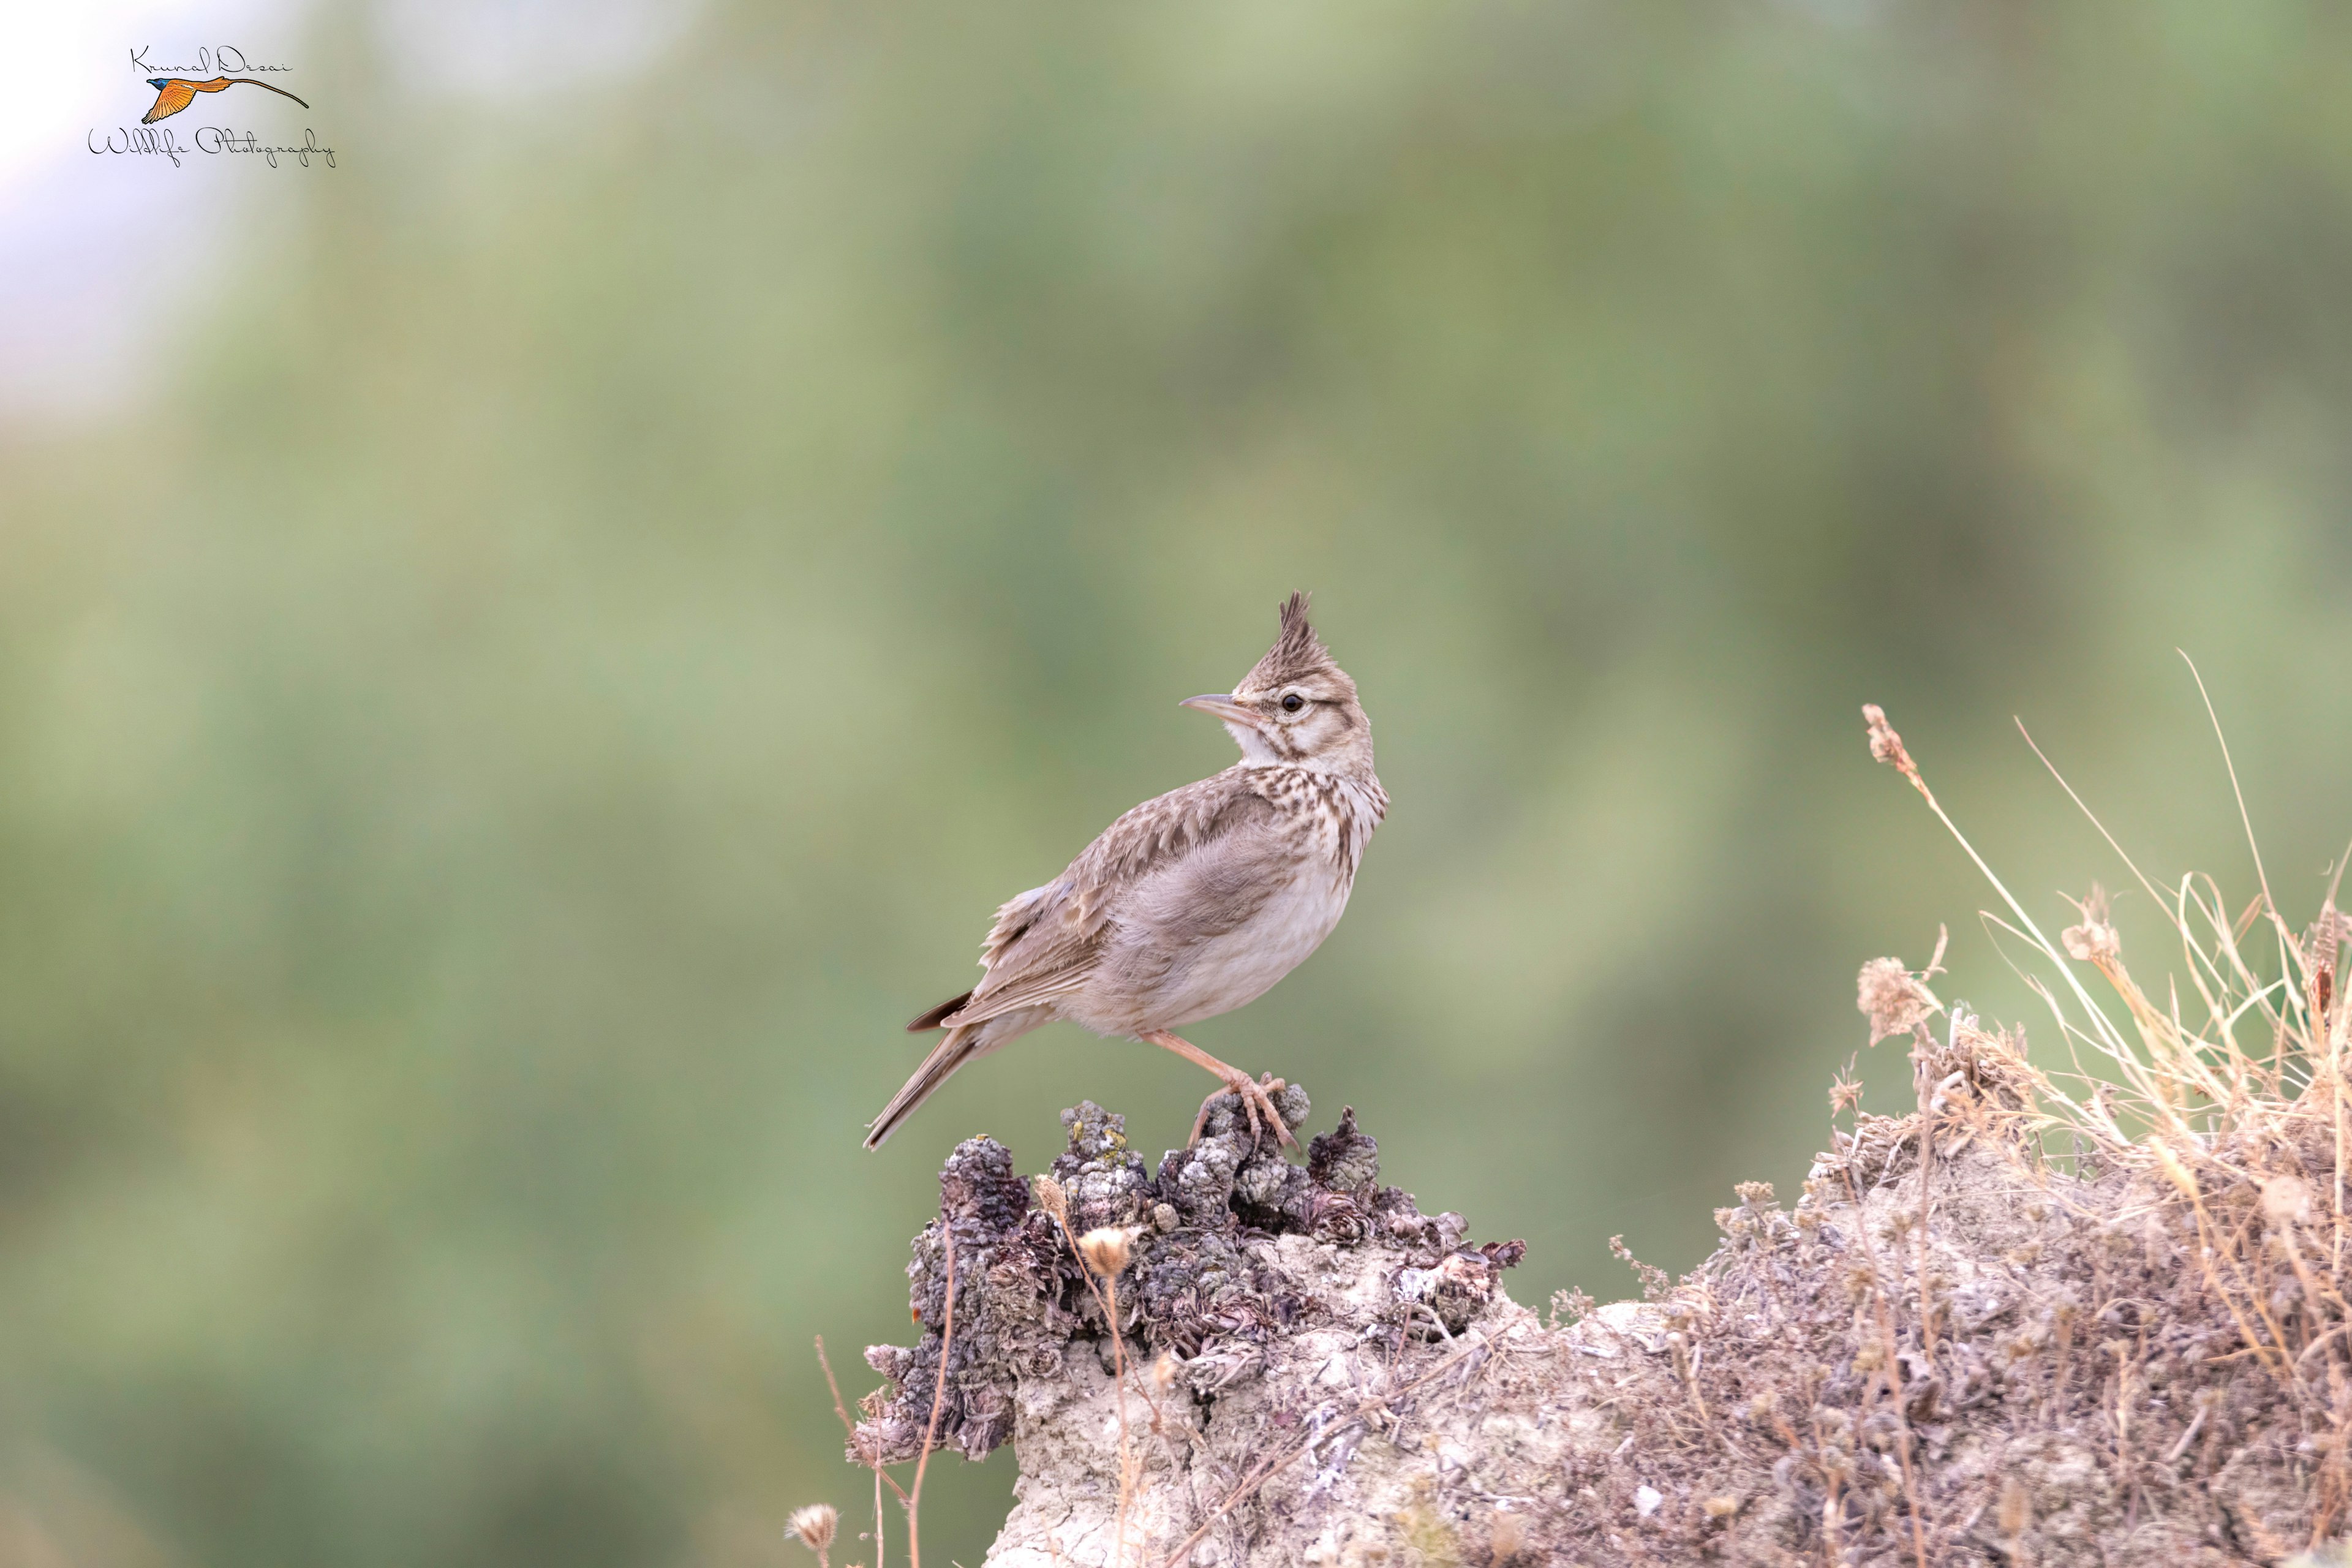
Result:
[
  {"x": 1297, "y": 706},
  {"x": 159, "y": 82}
]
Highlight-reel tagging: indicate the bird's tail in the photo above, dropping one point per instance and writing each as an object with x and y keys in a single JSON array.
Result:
[
  {"x": 964, "y": 1042},
  {"x": 256, "y": 81}
]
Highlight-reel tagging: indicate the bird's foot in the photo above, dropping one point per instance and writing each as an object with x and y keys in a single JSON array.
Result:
[{"x": 1257, "y": 1102}]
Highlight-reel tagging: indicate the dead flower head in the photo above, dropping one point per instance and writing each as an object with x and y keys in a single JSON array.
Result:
[
  {"x": 2286, "y": 1200},
  {"x": 1052, "y": 1199},
  {"x": 1163, "y": 1372},
  {"x": 815, "y": 1525},
  {"x": 2095, "y": 941},
  {"x": 1894, "y": 999},
  {"x": 1845, "y": 1090},
  {"x": 1106, "y": 1250},
  {"x": 1885, "y": 745}
]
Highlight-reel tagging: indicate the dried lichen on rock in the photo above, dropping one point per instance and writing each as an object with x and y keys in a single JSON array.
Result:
[{"x": 1243, "y": 1264}]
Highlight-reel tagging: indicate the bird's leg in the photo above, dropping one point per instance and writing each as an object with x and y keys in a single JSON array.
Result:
[
  {"x": 1256, "y": 1101},
  {"x": 1256, "y": 1096}
]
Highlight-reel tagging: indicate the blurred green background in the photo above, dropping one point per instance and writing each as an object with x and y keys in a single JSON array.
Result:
[{"x": 614, "y": 587}]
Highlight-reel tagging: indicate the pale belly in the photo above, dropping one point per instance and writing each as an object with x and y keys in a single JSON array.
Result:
[{"x": 1237, "y": 968}]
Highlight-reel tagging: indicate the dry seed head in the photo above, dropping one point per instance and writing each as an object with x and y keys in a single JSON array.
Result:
[
  {"x": 1885, "y": 745},
  {"x": 2286, "y": 1200},
  {"x": 1845, "y": 1094},
  {"x": 2326, "y": 935},
  {"x": 815, "y": 1525},
  {"x": 1052, "y": 1199},
  {"x": 2096, "y": 939},
  {"x": 1163, "y": 1372},
  {"x": 1894, "y": 999},
  {"x": 1108, "y": 1250}
]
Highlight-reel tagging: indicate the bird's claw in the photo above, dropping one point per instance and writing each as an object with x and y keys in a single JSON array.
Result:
[{"x": 1258, "y": 1101}]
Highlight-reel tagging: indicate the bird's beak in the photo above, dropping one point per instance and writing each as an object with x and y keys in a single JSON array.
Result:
[{"x": 1218, "y": 705}]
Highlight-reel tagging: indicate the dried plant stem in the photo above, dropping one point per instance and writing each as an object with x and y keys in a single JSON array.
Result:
[
  {"x": 843, "y": 1411},
  {"x": 938, "y": 1398},
  {"x": 1923, "y": 1076},
  {"x": 1887, "y": 747},
  {"x": 851, "y": 1427},
  {"x": 2209, "y": 1247},
  {"x": 1106, "y": 1297},
  {"x": 2261, "y": 877},
  {"x": 1891, "y": 1370},
  {"x": 1118, "y": 1402},
  {"x": 1084, "y": 1272}
]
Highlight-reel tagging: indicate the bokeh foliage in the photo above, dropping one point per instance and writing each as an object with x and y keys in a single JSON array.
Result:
[{"x": 619, "y": 587}]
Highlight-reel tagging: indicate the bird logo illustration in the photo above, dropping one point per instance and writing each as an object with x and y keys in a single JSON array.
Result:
[{"x": 175, "y": 93}]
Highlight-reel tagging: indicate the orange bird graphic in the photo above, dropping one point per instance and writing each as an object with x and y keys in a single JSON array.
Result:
[{"x": 173, "y": 93}]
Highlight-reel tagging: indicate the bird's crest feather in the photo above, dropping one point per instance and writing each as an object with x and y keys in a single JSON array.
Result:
[{"x": 1297, "y": 654}]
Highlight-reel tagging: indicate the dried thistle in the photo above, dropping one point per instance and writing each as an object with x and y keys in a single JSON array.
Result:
[
  {"x": 1053, "y": 1199},
  {"x": 1108, "y": 1250},
  {"x": 1895, "y": 1000},
  {"x": 1845, "y": 1090},
  {"x": 2095, "y": 941},
  {"x": 815, "y": 1526}
]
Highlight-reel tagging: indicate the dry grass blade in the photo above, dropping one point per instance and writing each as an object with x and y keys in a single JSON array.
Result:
[
  {"x": 2217, "y": 1126},
  {"x": 938, "y": 1398},
  {"x": 834, "y": 1386}
]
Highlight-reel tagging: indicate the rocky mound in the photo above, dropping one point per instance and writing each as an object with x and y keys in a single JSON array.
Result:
[{"x": 1961, "y": 1354}]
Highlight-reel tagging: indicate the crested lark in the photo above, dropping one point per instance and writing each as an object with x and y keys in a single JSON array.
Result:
[{"x": 1193, "y": 904}]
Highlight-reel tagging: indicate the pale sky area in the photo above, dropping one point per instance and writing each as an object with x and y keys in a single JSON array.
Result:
[{"x": 98, "y": 251}]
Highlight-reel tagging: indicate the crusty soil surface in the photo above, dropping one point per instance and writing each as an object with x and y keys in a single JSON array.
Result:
[{"x": 2114, "y": 1368}]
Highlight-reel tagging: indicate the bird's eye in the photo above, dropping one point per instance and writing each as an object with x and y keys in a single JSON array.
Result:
[{"x": 1293, "y": 703}]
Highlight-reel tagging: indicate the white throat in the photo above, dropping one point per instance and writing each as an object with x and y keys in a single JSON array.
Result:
[{"x": 1252, "y": 744}]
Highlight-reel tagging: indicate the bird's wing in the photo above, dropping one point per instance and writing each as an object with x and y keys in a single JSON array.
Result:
[
  {"x": 1045, "y": 941},
  {"x": 1015, "y": 919},
  {"x": 174, "y": 96}
]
